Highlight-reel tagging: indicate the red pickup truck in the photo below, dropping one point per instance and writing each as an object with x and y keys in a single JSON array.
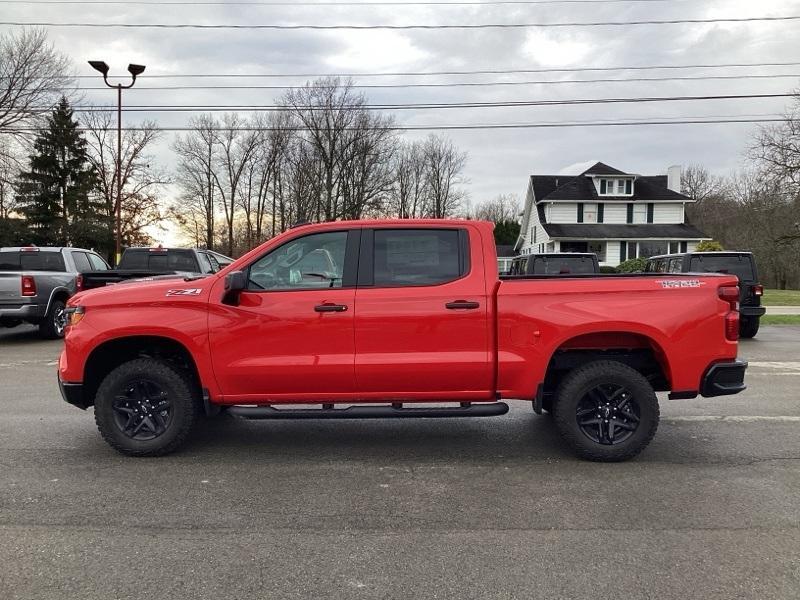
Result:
[{"x": 375, "y": 319}]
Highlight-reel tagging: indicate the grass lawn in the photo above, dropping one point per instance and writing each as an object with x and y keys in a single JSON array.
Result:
[
  {"x": 781, "y": 298},
  {"x": 780, "y": 320}
]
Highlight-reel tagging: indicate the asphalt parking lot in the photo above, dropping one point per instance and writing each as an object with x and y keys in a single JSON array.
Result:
[{"x": 478, "y": 508}]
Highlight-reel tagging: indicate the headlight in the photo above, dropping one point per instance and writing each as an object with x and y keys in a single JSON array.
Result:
[{"x": 75, "y": 315}]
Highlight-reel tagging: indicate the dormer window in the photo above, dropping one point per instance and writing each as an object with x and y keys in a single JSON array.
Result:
[{"x": 616, "y": 187}]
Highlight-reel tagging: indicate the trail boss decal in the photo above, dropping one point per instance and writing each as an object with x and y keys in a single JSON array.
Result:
[
  {"x": 184, "y": 292},
  {"x": 670, "y": 284}
]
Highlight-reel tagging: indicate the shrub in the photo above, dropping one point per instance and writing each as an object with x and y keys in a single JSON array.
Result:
[
  {"x": 709, "y": 246},
  {"x": 632, "y": 265},
  {"x": 608, "y": 270}
]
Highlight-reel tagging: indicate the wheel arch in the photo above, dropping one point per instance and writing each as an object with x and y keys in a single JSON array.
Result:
[
  {"x": 110, "y": 354},
  {"x": 637, "y": 350}
]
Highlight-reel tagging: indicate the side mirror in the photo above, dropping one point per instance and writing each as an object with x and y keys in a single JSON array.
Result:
[{"x": 235, "y": 282}]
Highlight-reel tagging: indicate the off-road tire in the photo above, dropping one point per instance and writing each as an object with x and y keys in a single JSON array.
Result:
[
  {"x": 48, "y": 329},
  {"x": 748, "y": 327},
  {"x": 578, "y": 383},
  {"x": 184, "y": 404}
]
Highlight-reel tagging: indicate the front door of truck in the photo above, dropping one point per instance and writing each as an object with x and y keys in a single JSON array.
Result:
[
  {"x": 421, "y": 328},
  {"x": 290, "y": 336}
]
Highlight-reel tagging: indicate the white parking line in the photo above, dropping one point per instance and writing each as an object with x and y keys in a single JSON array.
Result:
[
  {"x": 790, "y": 365},
  {"x": 732, "y": 419}
]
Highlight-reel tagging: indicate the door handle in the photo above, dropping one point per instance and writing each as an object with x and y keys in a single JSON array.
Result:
[
  {"x": 462, "y": 305},
  {"x": 323, "y": 308}
]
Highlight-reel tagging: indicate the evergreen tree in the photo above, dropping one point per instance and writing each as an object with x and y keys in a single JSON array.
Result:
[{"x": 57, "y": 195}]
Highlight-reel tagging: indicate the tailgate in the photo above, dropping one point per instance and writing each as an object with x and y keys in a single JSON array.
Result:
[{"x": 11, "y": 288}]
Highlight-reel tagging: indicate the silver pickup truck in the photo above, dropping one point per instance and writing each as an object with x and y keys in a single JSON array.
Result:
[{"x": 35, "y": 284}]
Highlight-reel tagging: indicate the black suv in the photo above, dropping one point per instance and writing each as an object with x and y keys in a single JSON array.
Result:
[{"x": 740, "y": 264}]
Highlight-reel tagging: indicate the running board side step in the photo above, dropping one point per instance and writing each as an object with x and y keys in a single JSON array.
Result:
[{"x": 394, "y": 411}]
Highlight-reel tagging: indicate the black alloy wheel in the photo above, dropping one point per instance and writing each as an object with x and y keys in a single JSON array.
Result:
[
  {"x": 608, "y": 414},
  {"x": 142, "y": 409}
]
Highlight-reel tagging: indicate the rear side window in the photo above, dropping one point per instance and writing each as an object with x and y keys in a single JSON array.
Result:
[
  {"x": 412, "y": 257},
  {"x": 82, "y": 264},
  {"x": 739, "y": 265},
  {"x": 31, "y": 261},
  {"x": 545, "y": 265}
]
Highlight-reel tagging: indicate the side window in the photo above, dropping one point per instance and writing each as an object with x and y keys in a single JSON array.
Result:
[
  {"x": 215, "y": 266},
  {"x": 675, "y": 265},
  {"x": 308, "y": 263},
  {"x": 98, "y": 264},
  {"x": 409, "y": 257},
  {"x": 205, "y": 264},
  {"x": 82, "y": 264}
]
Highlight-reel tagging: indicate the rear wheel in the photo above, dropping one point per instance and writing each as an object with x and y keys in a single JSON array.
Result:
[
  {"x": 748, "y": 327},
  {"x": 606, "y": 411},
  {"x": 146, "y": 407},
  {"x": 55, "y": 321}
]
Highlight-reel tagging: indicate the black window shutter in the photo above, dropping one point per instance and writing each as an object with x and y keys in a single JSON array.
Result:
[
  {"x": 629, "y": 187},
  {"x": 630, "y": 213},
  {"x": 602, "y": 186},
  {"x": 600, "y": 212},
  {"x": 623, "y": 251},
  {"x": 684, "y": 246},
  {"x": 650, "y": 213},
  {"x": 580, "y": 212}
]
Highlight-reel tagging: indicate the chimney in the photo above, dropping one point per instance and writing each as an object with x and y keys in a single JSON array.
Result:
[{"x": 674, "y": 178}]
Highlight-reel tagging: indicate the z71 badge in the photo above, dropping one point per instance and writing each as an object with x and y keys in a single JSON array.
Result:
[
  {"x": 184, "y": 292},
  {"x": 670, "y": 284}
]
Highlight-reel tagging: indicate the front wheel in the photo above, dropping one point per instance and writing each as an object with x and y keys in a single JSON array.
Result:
[
  {"x": 55, "y": 321},
  {"x": 146, "y": 407},
  {"x": 606, "y": 411},
  {"x": 748, "y": 327}
]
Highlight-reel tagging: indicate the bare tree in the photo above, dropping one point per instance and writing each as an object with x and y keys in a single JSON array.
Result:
[
  {"x": 776, "y": 148},
  {"x": 410, "y": 182},
  {"x": 445, "y": 166},
  {"x": 504, "y": 207},
  {"x": 33, "y": 77},
  {"x": 141, "y": 183},
  {"x": 195, "y": 176}
]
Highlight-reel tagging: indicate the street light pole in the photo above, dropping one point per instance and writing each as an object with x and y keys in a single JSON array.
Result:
[{"x": 134, "y": 70}]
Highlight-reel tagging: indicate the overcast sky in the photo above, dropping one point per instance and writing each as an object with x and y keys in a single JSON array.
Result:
[{"x": 499, "y": 160}]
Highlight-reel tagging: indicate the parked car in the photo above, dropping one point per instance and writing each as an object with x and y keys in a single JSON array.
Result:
[
  {"x": 137, "y": 263},
  {"x": 405, "y": 313},
  {"x": 741, "y": 264},
  {"x": 36, "y": 282},
  {"x": 566, "y": 263}
]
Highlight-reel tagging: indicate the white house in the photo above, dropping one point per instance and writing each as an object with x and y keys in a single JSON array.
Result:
[{"x": 603, "y": 210}]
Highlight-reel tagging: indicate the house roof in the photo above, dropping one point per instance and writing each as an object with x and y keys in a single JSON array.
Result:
[
  {"x": 581, "y": 189},
  {"x": 602, "y": 169},
  {"x": 619, "y": 231}
]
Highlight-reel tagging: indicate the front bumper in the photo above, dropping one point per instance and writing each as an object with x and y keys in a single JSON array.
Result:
[
  {"x": 724, "y": 379},
  {"x": 73, "y": 394}
]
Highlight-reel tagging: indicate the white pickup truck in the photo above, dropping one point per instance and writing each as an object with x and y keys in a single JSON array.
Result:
[{"x": 36, "y": 282}]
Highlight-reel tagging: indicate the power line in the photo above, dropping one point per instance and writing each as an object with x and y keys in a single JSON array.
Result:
[
  {"x": 542, "y": 125},
  {"x": 460, "y": 84},
  {"x": 474, "y": 72},
  {"x": 335, "y": 3},
  {"x": 422, "y": 106},
  {"x": 403, "y": 27}
]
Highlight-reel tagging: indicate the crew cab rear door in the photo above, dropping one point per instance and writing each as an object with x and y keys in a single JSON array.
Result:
[{"x": 422, "y": 310}]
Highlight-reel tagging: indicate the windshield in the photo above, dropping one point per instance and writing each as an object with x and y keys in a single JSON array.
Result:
[{"x": 740, "y": 265}]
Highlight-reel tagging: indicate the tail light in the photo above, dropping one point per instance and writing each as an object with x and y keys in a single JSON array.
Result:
[
  {"x": 730, "y": 294},
  {"x": 79, "y": 283},
  {"x": 28, "y": 285},
  {"x": 757, "y": 290}
]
